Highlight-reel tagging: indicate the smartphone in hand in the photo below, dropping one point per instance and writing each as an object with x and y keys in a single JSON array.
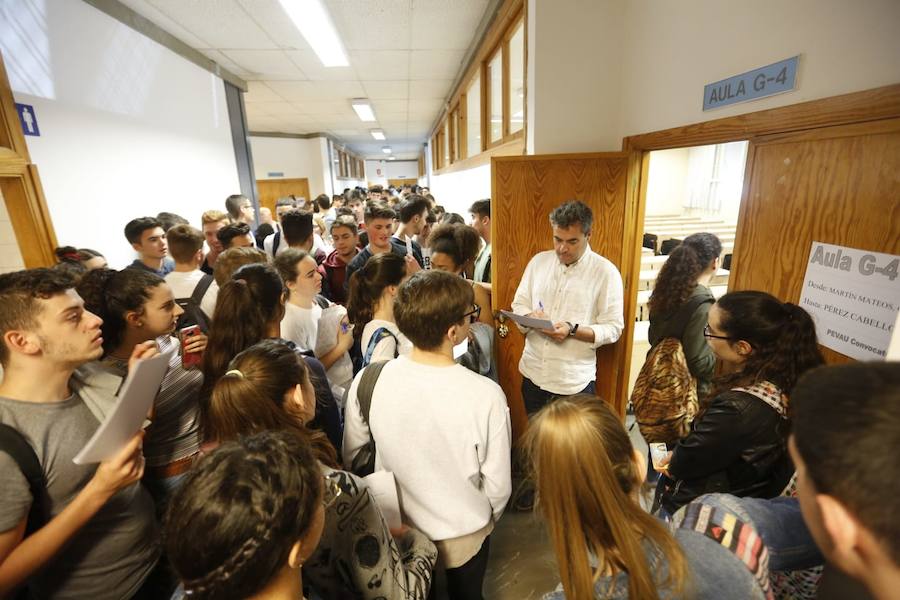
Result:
[
  {"x": 189, "y": 359},
  {"x": 658, "y": 453}
]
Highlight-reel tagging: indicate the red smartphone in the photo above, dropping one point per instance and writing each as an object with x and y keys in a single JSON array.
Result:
[{"x": 189, "y": 359}]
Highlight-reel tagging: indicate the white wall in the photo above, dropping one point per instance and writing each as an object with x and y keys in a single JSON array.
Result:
[
  {"x": 294, "y": 157},
  {"x": 667, "y": 182},
  {"x": 457, "y": 191},
  {"x": 128, "y": 128},
  {"x": 10, "y": 256}
]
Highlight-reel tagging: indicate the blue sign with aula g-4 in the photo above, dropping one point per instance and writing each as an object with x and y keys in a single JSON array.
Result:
[
  {"x": 28, "y": 119},
  {"x": 766, "y": 81}
]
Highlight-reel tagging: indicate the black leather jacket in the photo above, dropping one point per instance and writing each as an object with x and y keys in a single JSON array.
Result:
[{"x": 737, "y": 446}]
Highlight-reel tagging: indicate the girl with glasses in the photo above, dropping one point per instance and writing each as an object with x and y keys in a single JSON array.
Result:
[
  {"x": 737, "y": 443},
  {"x": 267, "y": 387}
]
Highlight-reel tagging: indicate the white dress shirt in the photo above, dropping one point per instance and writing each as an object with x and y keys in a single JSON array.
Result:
[{"x": 588, "y": 293}]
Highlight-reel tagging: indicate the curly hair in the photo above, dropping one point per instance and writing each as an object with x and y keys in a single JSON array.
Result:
[
  {"x": 230, "y": 528},
  {"x": 678, "y": 276},
  {"x": 782, "y": 336},
  {"x": 19, "y": 295},
  {"x": 112, "y": 294},
  {"x": 459, "y": 242}
]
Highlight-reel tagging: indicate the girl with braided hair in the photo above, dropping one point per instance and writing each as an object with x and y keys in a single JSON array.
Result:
[
  {"x": 267, "y": 387},
  {"x": 247, "y": 519},
  {"x": 738, "y": 441}
]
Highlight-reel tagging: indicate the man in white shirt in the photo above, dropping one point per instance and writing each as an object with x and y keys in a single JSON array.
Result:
[
  {"x": 186, "y": 247},
  {"x": 580, "y": 292},
  {"x": 447, "y": 443}
]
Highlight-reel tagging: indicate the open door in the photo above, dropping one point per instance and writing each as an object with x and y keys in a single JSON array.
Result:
[
  {"x": 839, "y": 185},
  {"x": 270, "y": 190},
  {"x": 524, "y": 191},
  {"x": 21, "y": 186}
]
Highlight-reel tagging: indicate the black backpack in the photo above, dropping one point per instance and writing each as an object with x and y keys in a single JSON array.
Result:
[
  {"x": 193, "y": 314},
  {"x": 364, "y": 462}
]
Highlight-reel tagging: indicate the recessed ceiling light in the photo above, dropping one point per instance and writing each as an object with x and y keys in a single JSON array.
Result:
[
  {"x": 378, "y": 134},
  {"x": 363, "y": 109},
  {"x": 314, "y": 23},
  {"x": 386, "y": 149},
  {"x": 392, "y": 158}
]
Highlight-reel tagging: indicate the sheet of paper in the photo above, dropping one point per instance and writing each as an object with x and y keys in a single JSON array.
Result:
[
  {"x": 409, "y": 249},
  {"x": 127, "y": 416},
  {"x": 460, "y": 349},
  {"x": 326, "y": 338},
  {"x": 528, "y": 321},
  {"x": 383, "y": 488}
]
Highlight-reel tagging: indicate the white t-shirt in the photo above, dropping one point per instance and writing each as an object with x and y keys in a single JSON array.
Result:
[
  {"x": 387, "y": 347},
  {"x": 301, "y": 325},
  {"x": 183, "y": 285},
  {"x": 445, "y": 434}
]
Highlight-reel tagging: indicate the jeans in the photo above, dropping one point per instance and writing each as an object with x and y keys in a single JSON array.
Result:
[
  {"x": 536, "y": 398},
  {"x": 780, "y": 525}
]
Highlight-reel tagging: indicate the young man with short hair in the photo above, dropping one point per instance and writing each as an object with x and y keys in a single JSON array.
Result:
[
  {"x": 211, "y": 222},
  {"x": 96, "y": 533},
  {"x": 148, "y": 239},
  {"x": 481, "y": 222},
  {"x": 186, "y": 246},
  {"x": 236, "y": 235},
  {"x": 297, "y": 232},
  {"x": 844, "y": 436},
  {"x": 424, "y": 235},
  {"x": 240, "y": 208},
  {"x": 413, "y": 214},
  {"x": 379, "y": 217},
  {"x": 447, "y": 444},
  {"x": 356, "y": 204},
  {"x": 345, "y": 238},
  {"x": 325, "y": 209}
]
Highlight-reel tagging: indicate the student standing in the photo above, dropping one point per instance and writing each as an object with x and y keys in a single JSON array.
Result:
[
  {"x": 480, "y": 212},
  {"x": 186, "y": 245},
  {"x": 412, "y": 214},
  {"x": 345, "y": 238},
  {"x": 148, "y": 239},
  {"x": 211, "y": 222},
  {"x": 371, "y": 308},
  {"x": 97, "y": 536},
  {"x": 581, "y": 293},
  {"x": 379, "y": 218},
  {"x": 448, "y": 445}
]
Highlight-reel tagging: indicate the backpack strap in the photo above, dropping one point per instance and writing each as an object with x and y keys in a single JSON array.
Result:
[
  {"x": 769, "y": 393},
  {"x": 276, "y": 242},
  {"x": 378, "y": 335},
  {"x": 197, "y": 297},
  {"x": 322, "y": 301},
  {"x": 17, "y": 447},
  {"x": 366, "y": 388}
]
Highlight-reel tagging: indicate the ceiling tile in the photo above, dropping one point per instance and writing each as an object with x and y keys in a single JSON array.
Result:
[
  {"x": 298, "y": 91},
  {"x": 272, "y": 19},
  {"x": 276, "y": 109},
  {"x": 380, "y": 65},
  {"x": 435, "y": 64},
  {"x": 258, "y": 91},
  {"x": 220, "y": 23},
  {"x": 271, "y": 64},
  {"x": 390, "y": 106},
  {"x": 372, "y": 24},
  {"x": 314, "y": 70},
  {"x": 331, "y": 108},
  {"x": 456, "y": 21},
  {"x": 148, "y": 11},
  {"x": 430, "y": 88},
  {"x": 386, "y": 90}
]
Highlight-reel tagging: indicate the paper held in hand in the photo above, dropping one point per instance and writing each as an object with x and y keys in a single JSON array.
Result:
[
  {"x": 127, "y": 416},
  {"x": 383, "y": 488},
  {"x": 528, "y": 321}
]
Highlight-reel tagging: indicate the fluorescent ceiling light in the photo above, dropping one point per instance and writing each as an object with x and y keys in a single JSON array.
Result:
[
  {"x": 392, "y": 158},
  {"x": 363, "y": 109},
  {"x": 386, "y": 149},
  {"x": 314, "y": 23},
  {"x": 378, "y": 134}
]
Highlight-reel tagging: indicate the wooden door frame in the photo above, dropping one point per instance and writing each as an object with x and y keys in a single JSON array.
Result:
[
  {"x": 858, "y": 107},
  {"x": 21, "y": 186}
]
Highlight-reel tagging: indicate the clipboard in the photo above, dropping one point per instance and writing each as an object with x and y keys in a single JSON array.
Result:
[
  {"x": 528, "y": 321},
  {"x": 131, "y": 408}
]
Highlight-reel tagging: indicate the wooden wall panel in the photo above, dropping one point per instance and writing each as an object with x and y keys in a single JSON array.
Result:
[
  {"x": 838, "y": 185},
  {"x": 270, "y": 190},
  {"x": 524, "y": 191}
]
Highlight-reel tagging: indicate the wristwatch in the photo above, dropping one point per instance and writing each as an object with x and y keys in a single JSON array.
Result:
[{"x": 572, "y": 329}]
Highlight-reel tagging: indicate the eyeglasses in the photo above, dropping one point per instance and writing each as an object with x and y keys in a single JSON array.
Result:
[
  {"x": 331, "y": 493},
  {"x": 473, "y": 314},
  {"x": 708, "y": 334}
]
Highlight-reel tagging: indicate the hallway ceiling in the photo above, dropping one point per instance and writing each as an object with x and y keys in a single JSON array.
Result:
[{"x": 403, "y": 54}]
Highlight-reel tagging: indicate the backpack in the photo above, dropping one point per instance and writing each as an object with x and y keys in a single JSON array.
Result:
[
  {"x": 193, "y": 314},
  {"x": 664, "y": 399},
  {"x": 364, "y": 462},
  {"x": 360, "y": 359}
]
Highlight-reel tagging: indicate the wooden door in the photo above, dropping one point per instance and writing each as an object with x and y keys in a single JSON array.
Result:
[
  {"x": 397, "y": 183},
  {"x": 524, "y": 191},
  {"x": 838, "y": 185},
  {"x": 270, "y": 190},
  {"x": 20, "y": 185}
]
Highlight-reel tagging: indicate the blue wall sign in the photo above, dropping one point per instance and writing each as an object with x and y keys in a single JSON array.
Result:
[
  {"x": 28, "y": 119},
  {"x": 773, "y": 79},
  {"x": 275, "y": 174}
]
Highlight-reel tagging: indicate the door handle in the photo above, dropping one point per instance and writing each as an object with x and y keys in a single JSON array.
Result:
[{"x": 502, "y": 328}]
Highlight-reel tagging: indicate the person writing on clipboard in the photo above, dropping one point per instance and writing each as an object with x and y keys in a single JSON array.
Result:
[{"x": 580, "y": 293}]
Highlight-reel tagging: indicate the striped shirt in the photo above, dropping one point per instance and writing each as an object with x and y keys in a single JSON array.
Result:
[{"x": 175, "y": 431}]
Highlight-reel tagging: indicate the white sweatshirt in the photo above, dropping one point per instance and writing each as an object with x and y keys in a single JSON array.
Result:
[{"x": 445, "y": 434}]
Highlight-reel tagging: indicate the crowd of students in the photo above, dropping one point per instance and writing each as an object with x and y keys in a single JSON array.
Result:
[{"x": 354, "y": 334}]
